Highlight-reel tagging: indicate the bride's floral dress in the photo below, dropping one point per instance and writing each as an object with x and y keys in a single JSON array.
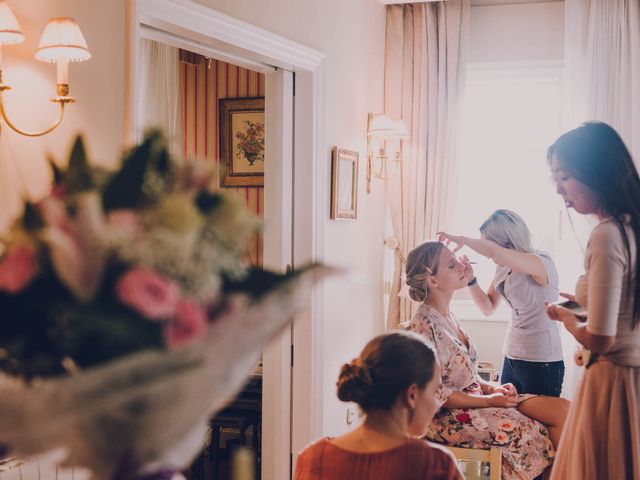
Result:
[{"x": 525, "y": 444}]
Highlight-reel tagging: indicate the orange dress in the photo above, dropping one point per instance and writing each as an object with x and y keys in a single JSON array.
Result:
[{"x": 414, "y": 460}]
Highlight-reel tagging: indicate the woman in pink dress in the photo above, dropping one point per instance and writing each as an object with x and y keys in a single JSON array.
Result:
[
  {"x": 595, "y": 175},
  {"x": 472, "y": 412},
  {"x": 394, "y": 381}
]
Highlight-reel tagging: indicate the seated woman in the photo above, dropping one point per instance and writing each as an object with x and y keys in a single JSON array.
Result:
[
  {"x": 394, "y": 381},
  {"x": 474, "y": 413}
]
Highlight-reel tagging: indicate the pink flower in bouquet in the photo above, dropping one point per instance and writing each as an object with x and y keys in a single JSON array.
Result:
[
  {"x": 125, "y": 221},
  {"x": 189, "y": 324},
  {"x": 17, "y": 269},
  {"x": 150, "y": 294},
  {"x": 54, "y": 212},
  {"x": 75, "y": 245}
]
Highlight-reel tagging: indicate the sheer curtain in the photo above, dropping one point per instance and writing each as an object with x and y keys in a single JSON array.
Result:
[
  {"x": 602, "y": 56},
  {"x": 425, "y": 65},
  {"x": 602, "y": 79},
  {"x": 160, "y": 100}
]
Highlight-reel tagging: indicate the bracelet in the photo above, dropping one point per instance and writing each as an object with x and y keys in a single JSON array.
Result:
[{"x": 473, "y": 281}]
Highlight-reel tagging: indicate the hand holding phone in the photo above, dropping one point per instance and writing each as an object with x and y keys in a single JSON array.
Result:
[{"x": 575, "y": 308}]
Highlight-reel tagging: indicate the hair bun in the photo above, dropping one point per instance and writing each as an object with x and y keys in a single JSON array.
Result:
[
  {"x": 417, "y": 294},
  {"x": 355, "y": 383}
]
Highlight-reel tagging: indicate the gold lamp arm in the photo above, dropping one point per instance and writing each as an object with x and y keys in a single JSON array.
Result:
[{"x": 62, "y": 100}]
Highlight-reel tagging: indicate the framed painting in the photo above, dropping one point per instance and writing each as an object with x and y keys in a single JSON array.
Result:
[
  {"x": 344, "y": 183},
  {"x": 241, "y": 142}
]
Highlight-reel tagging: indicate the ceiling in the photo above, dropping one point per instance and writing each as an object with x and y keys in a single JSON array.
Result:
[{"x": 474, "y": 3}]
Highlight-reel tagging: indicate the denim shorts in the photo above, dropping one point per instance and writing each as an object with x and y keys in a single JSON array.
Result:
[{"x": 540, "y": 378}]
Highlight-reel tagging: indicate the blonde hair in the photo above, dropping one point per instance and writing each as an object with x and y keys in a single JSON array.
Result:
[
  {"x": 422, "y": 261},
  {"x": 507, "y": 229}
]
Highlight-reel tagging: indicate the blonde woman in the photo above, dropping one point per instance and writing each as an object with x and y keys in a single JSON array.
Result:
[
  {"x": 472, "y": 412},
  {"x": 526, "y": 278}
]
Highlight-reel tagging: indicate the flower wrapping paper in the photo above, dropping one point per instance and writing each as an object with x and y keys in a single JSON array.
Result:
[
  {"x": 148, "y": 412},
  {"x": 130, "y": 313}
]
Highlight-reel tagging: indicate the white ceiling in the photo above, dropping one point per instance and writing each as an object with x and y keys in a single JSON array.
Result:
[
  {"x": 479, "y": 3},
  {"x": 396, "y": 2},
  {"x": 474, "y": 3}
]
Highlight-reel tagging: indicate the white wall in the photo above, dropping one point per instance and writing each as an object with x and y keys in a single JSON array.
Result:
[
  {"x": 515, "y": 33},
  {"x": 98, "y": 86},
  {"x": 510, "y": 33},
  {"x": 351, "y": 35}
]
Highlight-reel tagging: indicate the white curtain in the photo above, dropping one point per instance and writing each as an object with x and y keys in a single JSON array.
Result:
[
  {"x": 602, "y": 56},
  {"x": 160, "y": 98},
  {"x": 425, "y": 65},
  {"x": 602, "y": 82}
]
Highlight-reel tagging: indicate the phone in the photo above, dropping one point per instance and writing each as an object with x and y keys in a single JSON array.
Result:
[{"x": 577, "y": 309}]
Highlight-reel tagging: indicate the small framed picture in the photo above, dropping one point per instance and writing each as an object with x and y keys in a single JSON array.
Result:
[
  {"x": 344, "y": 183},
  {"x": 241, "y": 142}
]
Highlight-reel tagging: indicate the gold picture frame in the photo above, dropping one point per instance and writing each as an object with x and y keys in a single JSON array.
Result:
[
  {"x": 344, "y": 183},
  {"x": 241, "y": 142}
]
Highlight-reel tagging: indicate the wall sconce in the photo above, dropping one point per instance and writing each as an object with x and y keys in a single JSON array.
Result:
[
  {"x": 381, "y": 128},
  {"x": 61, "y": 42}
]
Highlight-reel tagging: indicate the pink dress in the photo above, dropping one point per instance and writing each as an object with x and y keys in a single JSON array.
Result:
[
  {"x": 601, "y": 437},
  {"x": 525, "y": 444}
]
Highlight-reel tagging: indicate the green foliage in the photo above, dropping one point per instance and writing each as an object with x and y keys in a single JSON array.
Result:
[
  {"x": 77, "y": 178},
  {"x": 44, "y": 325},
  {"x": 145, "y": 175}
]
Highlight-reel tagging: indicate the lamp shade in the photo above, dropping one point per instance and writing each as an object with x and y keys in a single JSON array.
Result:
[
  {"x": 9, "y": 29},
  {"x": 381, "y": 126},
  {"x": 401, "y": 131},
  {"x": 62, "y": 39}
]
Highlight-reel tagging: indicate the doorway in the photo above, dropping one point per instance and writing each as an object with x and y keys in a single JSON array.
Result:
[{"x": 293, "y": 236}]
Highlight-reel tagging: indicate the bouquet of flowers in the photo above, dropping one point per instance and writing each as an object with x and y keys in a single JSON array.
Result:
[
  {"x": 251, "y": 142},
  {"x": 129, "y": 313}
]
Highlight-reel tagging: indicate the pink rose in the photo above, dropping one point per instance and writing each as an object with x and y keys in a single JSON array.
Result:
[
  {"x": 17, "y": 269},
  {"x": 189, "y": 324},
  {"x": 150, "y": 294},
  {"x": 54, "y": 212},
  {"x": 501, "y": 438}
]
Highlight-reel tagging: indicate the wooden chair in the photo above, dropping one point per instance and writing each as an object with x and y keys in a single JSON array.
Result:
[
  {"x": 486, "y": 370},
  {"x": 492, "y": 455}
]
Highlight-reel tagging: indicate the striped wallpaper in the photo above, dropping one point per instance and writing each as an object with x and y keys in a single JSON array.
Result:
[{"x": 203, "y": 82}]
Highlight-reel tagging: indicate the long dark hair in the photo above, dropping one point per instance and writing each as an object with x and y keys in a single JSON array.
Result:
[
  {"x": 388, "y": 365},
  {"x": 595, "y": 155}
]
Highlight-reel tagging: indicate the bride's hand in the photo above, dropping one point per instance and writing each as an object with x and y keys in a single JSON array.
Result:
[
  {"x": 508, "y": 389},
  {"x": 501, "y": 400}
]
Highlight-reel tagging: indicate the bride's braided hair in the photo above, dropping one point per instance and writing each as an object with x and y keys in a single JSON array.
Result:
[{"x": 422, "y": 261}]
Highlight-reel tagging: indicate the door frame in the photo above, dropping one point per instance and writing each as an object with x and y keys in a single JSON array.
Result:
[{"x": 204, "y": 30}]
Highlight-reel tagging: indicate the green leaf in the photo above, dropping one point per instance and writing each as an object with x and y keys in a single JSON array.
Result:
[
  {"x": 130, "y": 186},
  {"x": 56, "y": 172},
  {"x": 31, "y": 219},
  {"x": 78, "y": 177}
]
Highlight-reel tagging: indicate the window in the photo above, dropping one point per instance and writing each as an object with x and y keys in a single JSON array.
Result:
[{"x": 512, "y": 113}]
